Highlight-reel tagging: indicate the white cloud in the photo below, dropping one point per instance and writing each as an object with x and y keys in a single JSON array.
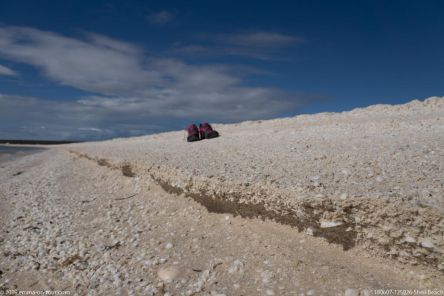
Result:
[
  {"x": 161, "y": 17},
  {"x": 96, "y": 65},
  {"x": 6, "y": 71},
  {"x": 255, "y": 45},
  {"x": 258, "y": 39},
  {"x": 133, "y": 93},
  {"x": 112, "y": 44}
]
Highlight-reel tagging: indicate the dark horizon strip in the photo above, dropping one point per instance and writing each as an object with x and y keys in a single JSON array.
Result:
[{"x": 37, "y": 142}]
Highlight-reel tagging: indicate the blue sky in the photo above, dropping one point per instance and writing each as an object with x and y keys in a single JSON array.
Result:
[{"x": 87, "y": 70}]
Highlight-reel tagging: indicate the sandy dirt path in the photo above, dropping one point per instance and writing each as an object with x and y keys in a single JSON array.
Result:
[{"x": 69, "y": 223}]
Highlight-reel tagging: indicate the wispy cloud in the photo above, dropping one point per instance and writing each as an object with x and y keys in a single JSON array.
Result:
[
  {"x": 112, "y": 44},
  {"x": 256, "y": 45},
  {"x": 257, "y": 39},
  {"x": 160, "y": 17},
  {"x": 7, "y": 71},
  {"x": 92, "y": 65},
  {"x": 128, "y": 88}
]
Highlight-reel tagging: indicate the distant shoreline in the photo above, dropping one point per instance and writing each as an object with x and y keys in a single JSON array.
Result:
[{"x": 37, "y": 142}]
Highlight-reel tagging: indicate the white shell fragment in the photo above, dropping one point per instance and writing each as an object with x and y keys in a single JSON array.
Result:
[{"x": 330, "y": 224}]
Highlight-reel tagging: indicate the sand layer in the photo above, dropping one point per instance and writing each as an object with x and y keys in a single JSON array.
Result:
[{"x": 371, "y": 178}]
